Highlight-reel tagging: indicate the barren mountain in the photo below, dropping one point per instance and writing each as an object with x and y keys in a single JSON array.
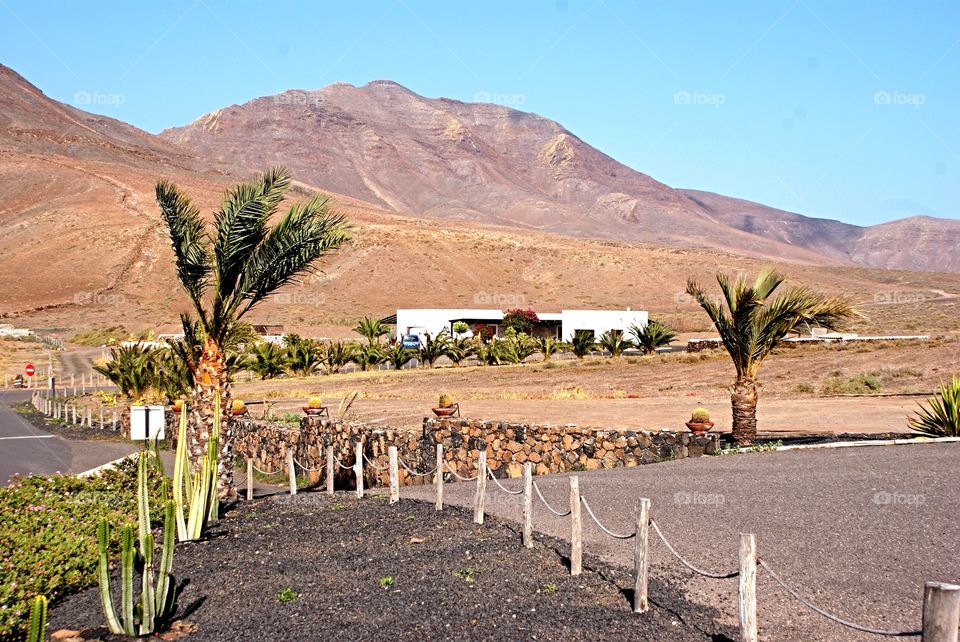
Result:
[
  {"x": 82, "y": 244},
  {"x": 488, "y": 163}
]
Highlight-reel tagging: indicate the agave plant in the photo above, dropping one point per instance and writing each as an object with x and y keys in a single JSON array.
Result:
[
  {"x": 398, "y": 356},
  {"x": 751, "y": 325},
  {"x": 652, "y": 335},
  {"x": 582, "y": 343},
  {"x": 156, "y": 605},
  {"x": 266, "y": 359},
  {"x": 367, "y": 355},
  {"x": 432, "y": 349},
  {"x": 615, "y": 343},
  {"x": 335, "y": 355},
  {"x": 941, "y": 416}
]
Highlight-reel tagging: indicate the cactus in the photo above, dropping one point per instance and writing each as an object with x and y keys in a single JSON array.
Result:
[
  {"x": 156, "y": 604},
  {"x": 239, "y": 407},
  {"x": 700, "y": 416},
  {"x": 314, "y": 402},
  {"x": 195, "y": 492},
  {"x": 38, "y": 620},
  {"x": 445, "y": 401}
]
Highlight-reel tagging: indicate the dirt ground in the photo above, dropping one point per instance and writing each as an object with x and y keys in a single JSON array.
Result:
[{"x": 644, "y": 392}]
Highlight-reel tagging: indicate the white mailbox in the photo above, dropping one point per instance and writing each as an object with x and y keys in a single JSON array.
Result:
[{"x": 146, "y": 422}]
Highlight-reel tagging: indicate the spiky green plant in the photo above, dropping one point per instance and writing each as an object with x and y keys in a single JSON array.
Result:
[
  {"x": 941, "y": 416},
  {"x": 230, "y": 265},
  {"x": 651, "y": 336},
  {"x": 194, "y": 491},
  {"x": 133, "y": 369},
  {"x": 582, "y": 343},
  {"x": 335, "y": 355},
  {"x": 548, "y": 346},
  {"x": 367, "y": 355},
  {"x": 303, "y": 357},
  {"x": 461, "y": 349},
  {"x": 398, "y": 356},
  {"x": 267, "y": 360},
  {"x": 615, "y": 343},
  {"x": 371, "y": 329},
  {"x": 751, "y": 325},
  {"x": 431, "y": 349},
  {"x": 38, "y": 619},
  {"x": 156, "y": 605}
]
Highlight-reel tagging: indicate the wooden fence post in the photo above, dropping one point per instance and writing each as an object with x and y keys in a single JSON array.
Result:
[
  {"x": 291, "y": 472},
  {"x": 330, "y": 471},
  {"x": 101, "y": 417},
  {"x": 527, "y": 536},
  {"x": 748, "y": 587},
  {"x": 358, "y": 470},
  {"x": 89, "y": 417},
  {"x": 249, "y": 479},
  {"x": 576, "y": 528},
  {"x": 641, "y": 557},
  {"x": 394, "y": 475},
  {"x": 941, "y": 612},
  {"x": 114, "y": 424},
  {"x": 481, "y": 490},
  {"x": 438, "y": 479}
]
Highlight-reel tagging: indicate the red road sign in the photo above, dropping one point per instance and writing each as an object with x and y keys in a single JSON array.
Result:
[{"x": 29, "y": 370}]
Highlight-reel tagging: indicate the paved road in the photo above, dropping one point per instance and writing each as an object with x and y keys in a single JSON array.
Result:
[
  {"x": 857, "y": 530},
  {"x": 25, "y": 449}
]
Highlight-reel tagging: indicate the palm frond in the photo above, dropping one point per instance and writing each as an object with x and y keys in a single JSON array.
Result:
[{"x": 189, "y": 242}]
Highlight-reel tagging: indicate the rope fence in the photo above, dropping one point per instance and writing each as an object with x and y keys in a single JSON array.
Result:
[{"x": 682, "y": 560}]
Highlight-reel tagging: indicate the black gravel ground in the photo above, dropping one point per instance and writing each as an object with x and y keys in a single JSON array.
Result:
[{"x": 448, "y": 579}]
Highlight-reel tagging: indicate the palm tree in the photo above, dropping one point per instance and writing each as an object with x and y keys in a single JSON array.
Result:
[
  {"x": 266, "y": 359},
  {"x": 398, "y": 356},
  {"x": 433, "y": 349},
  {"x": 652, "y": 335},
  {"x": 230, "y": 266},
  {"x": 367, "y": 355},
  {"x": 614, "y": 342},
  {"x": 548, "y": 346},
  {"x": 335, "y": 355},
  {"x": 371, "y": 329},
  {"x": 751, "y": 325},
  {"x": 133, "y": 369},
  {"x": 461, "y": 349},
  {"x": 583, "y": 343},
  {"x": 303, "y": 357}
]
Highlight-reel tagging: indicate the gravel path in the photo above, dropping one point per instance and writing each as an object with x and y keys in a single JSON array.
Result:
[
  {"x": 857, "y": 530},
  {"x": 449, "y": 580}
]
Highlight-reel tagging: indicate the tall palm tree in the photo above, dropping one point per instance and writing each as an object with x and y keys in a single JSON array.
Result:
[
  {"x": 751, "y": 325},
  {"x": 371, "y": 329},
  {"x": 229, "y": 266}
]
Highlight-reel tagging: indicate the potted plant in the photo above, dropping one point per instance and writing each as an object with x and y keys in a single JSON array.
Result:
[
  {"x": 177, "y": 405},
  {"x": 314, "y": 406},
  {"x": 446, "y": 407},
  {"x": 238, "y": 408},
  {"x": 700, "y": 421}
]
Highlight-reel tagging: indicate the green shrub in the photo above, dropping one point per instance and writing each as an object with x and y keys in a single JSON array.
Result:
[
  {"x": 48, "y": 535},
  {"x": 863, "y": 383},
  {"x": 100, "y": 336}
]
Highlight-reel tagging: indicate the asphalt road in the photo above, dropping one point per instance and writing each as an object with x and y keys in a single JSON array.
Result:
[
  {"x": 856, "y": 530},
  {"x": 26, "y": 449}
]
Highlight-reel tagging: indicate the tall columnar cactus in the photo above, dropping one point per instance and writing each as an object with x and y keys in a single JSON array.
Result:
[
  {"x": 38, "y": 620},
  {"x": 195, "y": 492},
  {"x": 156, "y": 604}
]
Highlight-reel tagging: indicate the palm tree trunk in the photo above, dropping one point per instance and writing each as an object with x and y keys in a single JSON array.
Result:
[
  {"x": 209, "y": 379},
  {"x": 743, "y": 395}
]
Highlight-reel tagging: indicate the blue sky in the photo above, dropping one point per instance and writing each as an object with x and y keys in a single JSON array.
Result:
[{"x": 843, "y": 109}]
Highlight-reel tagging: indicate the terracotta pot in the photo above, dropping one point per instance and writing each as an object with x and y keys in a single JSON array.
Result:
[
  {"x": 699, "y": 428},
  {"x": 238, "y": 413},
  {"x": 444, "y": 412},
  {"x": 177, "y": 405},
  {"x": 313, "y": 412}
]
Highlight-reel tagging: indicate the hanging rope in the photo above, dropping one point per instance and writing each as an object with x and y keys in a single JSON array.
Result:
[
  {"x": 716, "y": 576},
  {"x": 373, "y": 465},
  {"x": 337, "y": 462},
  {"x": 458, "y": 476},
  {"x": 263, "y": 472},
  {"x": 305, "y": 469},
  {"x": 412, "y": 471},
  {"x": 602, "y": 527},
  {"x": 549, "y": 507},
  {"x": 502, "y": 487},
  {"x": 830, "y": 616}
]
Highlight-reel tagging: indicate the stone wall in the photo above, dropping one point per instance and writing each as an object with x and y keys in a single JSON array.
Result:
[{"x": 508, "y": 445}]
